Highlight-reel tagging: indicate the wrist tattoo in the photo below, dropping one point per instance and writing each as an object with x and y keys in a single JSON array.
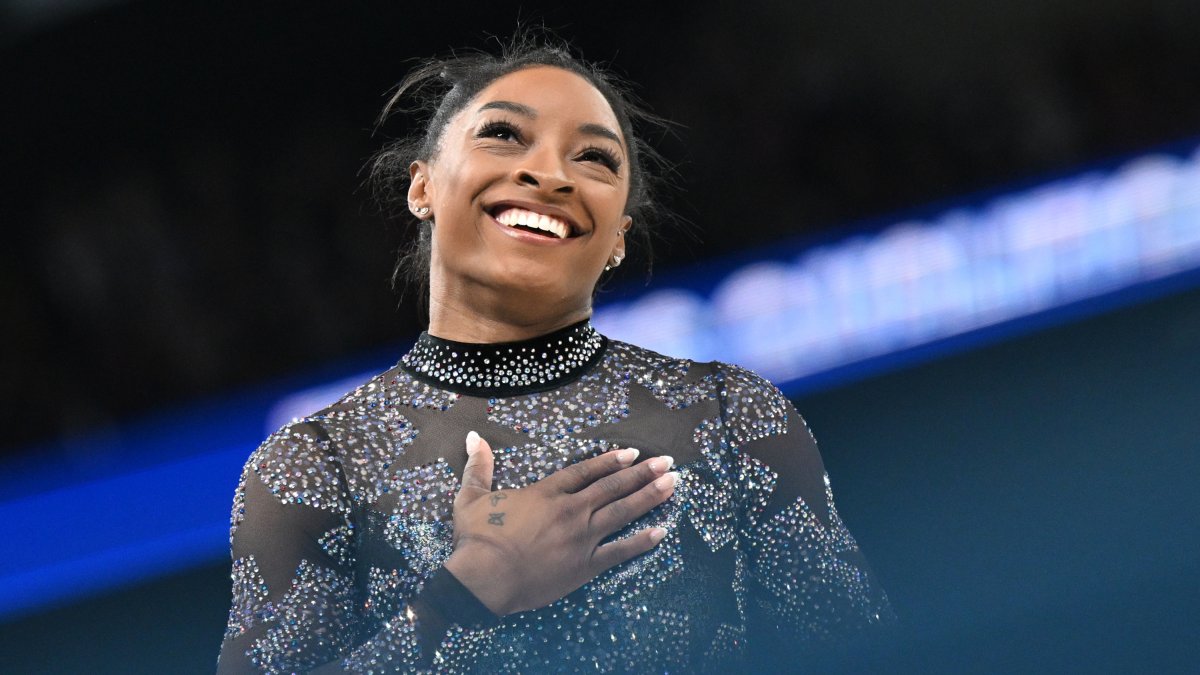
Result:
[
  {"x": 496, "y": 519},
  {"x": 497, "y": 497}
]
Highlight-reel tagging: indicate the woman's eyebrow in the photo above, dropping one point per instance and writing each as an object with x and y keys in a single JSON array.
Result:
[
  {"x": 518, "y": 108},
  {"x": 593, "y": 129}
]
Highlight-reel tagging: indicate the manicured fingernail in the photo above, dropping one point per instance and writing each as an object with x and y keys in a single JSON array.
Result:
[
  {"x": 627, "y": 455},
  {"x": 657, "y": 534},
  {"x": 667, "y": 480},
  {"x": 472, "y": 442},
  {"x": 662, "y": 462}
]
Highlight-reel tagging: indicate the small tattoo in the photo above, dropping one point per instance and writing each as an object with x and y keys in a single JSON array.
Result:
[
  {"x": 497, "y": 497},
  {"x": 496, "y": 518}
]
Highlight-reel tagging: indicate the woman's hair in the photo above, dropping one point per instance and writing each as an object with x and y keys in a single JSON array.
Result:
[{"x": 441, "y": 87}]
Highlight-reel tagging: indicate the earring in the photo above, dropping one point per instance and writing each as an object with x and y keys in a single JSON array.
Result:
[{"x": 423, "y": 210}]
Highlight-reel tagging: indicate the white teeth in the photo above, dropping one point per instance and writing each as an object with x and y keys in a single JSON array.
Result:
[{"x": 514, "y": 216}]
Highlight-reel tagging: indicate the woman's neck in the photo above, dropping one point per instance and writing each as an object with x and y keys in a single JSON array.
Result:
[{"x": 461, "y": 319}]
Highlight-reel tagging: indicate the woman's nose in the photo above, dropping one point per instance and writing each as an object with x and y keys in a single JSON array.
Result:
[{"x": 544, "y": 173}]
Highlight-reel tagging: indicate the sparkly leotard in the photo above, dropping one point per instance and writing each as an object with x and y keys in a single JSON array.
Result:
[{"x": 342, "y": 520}]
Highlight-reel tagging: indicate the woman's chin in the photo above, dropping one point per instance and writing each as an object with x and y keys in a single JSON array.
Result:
[
  {"x": 524, "y": 283},
  {"x": 540, "y": 279},
  {"x": 536, "y": 292}
]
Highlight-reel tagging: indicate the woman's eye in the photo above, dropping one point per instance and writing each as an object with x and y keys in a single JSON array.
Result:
[
  {"x": 604, "y": 157},
  {"x": 499, "y": 130}
]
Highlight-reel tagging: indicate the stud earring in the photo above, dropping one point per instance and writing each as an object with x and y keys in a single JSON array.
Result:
[{"x": 423, "y": 210}]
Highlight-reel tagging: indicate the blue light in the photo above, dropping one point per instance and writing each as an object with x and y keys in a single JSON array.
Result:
[{"x": 918, "y": 282}]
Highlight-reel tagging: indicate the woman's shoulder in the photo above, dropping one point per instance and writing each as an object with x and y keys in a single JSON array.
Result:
[
  {"x": 317, "y": 421},
  {"x": 722, "y": 373},
  {"x": 344, "y": 445},
  {"x": 637, "y": 358},
  {"x": 379, "y": 397},
  {"x": 661, "y": 373},
  {"x": 738, "y": 388}
]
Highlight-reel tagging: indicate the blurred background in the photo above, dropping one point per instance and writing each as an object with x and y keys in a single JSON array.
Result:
[{"x": 963, "y": 236}]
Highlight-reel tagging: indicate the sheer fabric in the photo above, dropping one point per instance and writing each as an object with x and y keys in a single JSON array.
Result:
[{"x": 341, "y": 521}]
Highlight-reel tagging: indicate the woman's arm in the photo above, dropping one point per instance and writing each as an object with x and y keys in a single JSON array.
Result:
[
  {"x": 295, "y": 600},
  {"x": 808, "y": 584}
]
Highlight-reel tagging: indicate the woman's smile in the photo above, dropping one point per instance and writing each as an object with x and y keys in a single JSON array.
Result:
[{"x": 542, "y": 222}]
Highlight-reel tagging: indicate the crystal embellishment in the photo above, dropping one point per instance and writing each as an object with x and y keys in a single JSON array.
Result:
[{"x": 505, "y": 368}]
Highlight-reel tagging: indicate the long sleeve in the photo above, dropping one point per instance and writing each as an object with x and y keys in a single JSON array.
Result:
[
  {"x": 807, "y": 583},
  {"x": 297, "y": 603}
]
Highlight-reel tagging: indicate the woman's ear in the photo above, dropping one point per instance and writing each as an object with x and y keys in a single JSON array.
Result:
[
  {"x": 618, "y": 252},
  {"x": 419, "y": 195}
]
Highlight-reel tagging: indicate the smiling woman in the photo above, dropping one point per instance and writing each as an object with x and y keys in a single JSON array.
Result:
[{"x": 370, "y": 538}]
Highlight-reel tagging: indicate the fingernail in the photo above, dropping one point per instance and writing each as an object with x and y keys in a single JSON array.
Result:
[
  {"x": 472, "y": 442},
  {"x": 627, "y": 455},
  {"x": 657, "y": 534},
  {"x": 662, "y": 462},
  {"x": 667, "y": 480}
]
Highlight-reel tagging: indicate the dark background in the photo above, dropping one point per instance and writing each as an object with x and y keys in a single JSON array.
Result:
[{"x": 184, "y": 216}]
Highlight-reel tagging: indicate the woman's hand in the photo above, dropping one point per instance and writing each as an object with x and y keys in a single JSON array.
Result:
[{"x": 523, "y": 549}]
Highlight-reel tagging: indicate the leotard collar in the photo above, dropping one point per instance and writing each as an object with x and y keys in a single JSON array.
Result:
[{"x": 506, "y": 368}]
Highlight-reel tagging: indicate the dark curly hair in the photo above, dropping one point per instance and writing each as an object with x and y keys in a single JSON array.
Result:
[{"x": 441, "y": 87}]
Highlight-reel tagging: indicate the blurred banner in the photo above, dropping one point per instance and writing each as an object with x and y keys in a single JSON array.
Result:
[{"x": 801, "y": 313}]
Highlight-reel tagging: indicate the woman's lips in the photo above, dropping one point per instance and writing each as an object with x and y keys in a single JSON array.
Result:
[
  {"x": 515, "y": 216},
  {"x": 528, "y": 237},
  {"x": 536, "y": 215}
]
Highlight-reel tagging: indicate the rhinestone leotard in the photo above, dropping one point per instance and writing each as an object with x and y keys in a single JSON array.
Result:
[{"x": 341, "y": 520}]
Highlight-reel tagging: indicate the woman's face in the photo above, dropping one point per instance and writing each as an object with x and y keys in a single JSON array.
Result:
[{"x": 528, "y": 191}]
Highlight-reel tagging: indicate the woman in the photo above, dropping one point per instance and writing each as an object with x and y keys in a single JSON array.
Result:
[{"x": 366, "y": 538}]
